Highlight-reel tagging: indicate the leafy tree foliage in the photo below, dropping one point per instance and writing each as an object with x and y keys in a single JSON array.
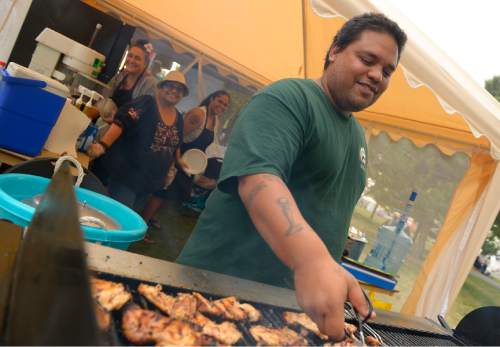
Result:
[{"x": 493, "y": 86}]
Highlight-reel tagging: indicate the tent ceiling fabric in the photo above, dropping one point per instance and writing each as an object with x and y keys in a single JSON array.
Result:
[
  {"x": 424, "y": 62},
  {"x": 236, "y": 33}
]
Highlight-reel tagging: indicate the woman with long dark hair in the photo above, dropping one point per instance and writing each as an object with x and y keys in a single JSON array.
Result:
[{"x": 200, "y": 124}]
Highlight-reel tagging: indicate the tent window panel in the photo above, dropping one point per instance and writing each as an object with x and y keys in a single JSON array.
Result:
[{"x": 395, "y": 169}]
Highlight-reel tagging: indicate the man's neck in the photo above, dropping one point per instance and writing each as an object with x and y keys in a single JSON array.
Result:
[{"x": 321, "y": 82}]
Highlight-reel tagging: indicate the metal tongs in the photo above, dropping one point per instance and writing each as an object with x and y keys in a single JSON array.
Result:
[{"x": 361, "y": 321}]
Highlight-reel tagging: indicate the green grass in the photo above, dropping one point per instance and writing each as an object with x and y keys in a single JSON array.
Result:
[
  {"x": 474, "y": 294},
  {"x": 176, "y": 226},
  {"x": 495, "y": 278}
]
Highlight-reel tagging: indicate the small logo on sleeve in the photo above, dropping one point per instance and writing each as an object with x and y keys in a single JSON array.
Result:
[{"x": 362, "y": 157}]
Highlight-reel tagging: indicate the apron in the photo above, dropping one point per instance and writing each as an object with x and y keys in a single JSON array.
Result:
[{"x": 123, "y": 96}]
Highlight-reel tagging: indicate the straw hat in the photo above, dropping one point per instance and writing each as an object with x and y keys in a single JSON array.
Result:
[{"x": 175, "y": 76}]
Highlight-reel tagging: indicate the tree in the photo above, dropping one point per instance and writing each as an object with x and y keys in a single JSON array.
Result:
[
  {"x": 493, "y": 86},
  {"x": 492, "y": 243},
  {"x": 400, "y": 167}
]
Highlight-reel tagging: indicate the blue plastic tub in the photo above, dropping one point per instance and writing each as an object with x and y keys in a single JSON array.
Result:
[
  {"x": 17, "y": 187},
  {"x": 27, "y": 114}
]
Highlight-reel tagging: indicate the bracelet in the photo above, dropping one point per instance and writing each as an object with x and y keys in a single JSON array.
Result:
[{"x": 104, "y": 145}]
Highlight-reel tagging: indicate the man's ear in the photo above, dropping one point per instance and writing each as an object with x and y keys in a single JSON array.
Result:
[{"x": 332, "y": 54}]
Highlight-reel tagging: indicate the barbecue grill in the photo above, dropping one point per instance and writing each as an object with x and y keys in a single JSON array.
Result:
[{"x": 132, "y": 269}]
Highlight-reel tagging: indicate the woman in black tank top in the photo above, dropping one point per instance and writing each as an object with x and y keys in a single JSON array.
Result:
[{"x": 200, "y": 124}]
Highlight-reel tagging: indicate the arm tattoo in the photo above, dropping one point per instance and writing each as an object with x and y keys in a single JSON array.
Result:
[
  {"x": 272, "y": 178},
  {"x": 195, "y": 121},
  {"x": 258, "y": 187},
  {"x": 286, "y": 208},
  {"x": 253, "y": 193}
]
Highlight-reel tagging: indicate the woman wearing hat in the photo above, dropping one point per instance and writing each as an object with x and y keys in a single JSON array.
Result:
[
  {"x": 142, "y": 141},
  {"x": 200, "y": 125}
]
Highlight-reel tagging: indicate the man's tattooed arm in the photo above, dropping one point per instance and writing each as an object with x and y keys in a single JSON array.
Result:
[
  {"x": 264, "y": 182},
  {"x": 260, "y": 185},
  {"x": 293, "y": 227}
]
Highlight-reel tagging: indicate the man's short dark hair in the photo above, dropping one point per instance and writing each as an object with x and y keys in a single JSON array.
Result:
[{"x": 353, "y": 28}]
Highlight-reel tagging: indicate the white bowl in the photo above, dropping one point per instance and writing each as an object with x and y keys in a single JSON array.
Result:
[{"x": 196, "y": 160}]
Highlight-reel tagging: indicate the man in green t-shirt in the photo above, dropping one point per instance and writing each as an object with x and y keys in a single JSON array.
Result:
[{"x": 292, "y": 174}]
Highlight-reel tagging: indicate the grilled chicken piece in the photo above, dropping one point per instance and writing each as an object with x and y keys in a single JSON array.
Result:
[
  {"x": 206, "y": 306},
  {"x": 229, "y": 308},
  {"x": 371, "y": 341},
  {"x": 347, "y": 342},
  {"x": 350, "y": 340},
  {"x": 103, "y": 316},
  {"x": 141, "y": 326},
  {"x": 350, "y": 329},
  {"x": 226, "y": 333},
  {"x": 303, "y": 320},
  {"x": 276, "y": 337},
  {"x": 146, "y": 327},
  {"x": 183, "y": 306},
  {"x": 110, "y": 295},
  {"x": 157, "y": 297},
  {"x": 179, "y": 333},
  {"x": 253, "y": 314}
]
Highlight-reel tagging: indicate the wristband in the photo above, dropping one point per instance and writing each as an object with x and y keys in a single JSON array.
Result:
[{"x": 104, "y": 145}]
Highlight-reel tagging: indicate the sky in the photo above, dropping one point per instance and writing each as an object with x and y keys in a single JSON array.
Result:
[{"x": 467, "y": 30}]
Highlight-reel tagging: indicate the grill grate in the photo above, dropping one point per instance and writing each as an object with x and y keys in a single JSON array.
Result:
[
  {"x": 271, "y": 317},
  {"x": 397, "y": 336}
]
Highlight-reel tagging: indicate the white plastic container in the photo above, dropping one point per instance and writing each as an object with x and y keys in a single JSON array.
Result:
[
  {"x": 53, "y": 86},
  {"x": 70, "y": 124}
]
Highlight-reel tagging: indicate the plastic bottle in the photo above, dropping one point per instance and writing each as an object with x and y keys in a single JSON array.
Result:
[
  {"x": 79, "y": 102},
  {"x": 406, "y": 212},
  {"x": 88, "y": 106}
]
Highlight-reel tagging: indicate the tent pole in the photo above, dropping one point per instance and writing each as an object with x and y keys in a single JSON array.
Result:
[
  {"x": 190, "y": 66},
  {"x": 304, "y": 36},
  {"x": 201, "y": 85}
]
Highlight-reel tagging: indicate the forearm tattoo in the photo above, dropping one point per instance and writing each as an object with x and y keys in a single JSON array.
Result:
[{"x": 293, "y": 227}]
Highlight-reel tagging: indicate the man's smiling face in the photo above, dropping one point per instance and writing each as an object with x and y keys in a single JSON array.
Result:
[{"x": 360, "y": 73}]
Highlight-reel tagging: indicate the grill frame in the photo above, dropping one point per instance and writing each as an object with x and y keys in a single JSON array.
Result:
[
  {"x": 391, "y": 335},
  {"x": 271, "y": 314}
]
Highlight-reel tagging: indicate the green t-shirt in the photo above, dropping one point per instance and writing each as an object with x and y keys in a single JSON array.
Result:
[{"x": 289, "y": 129}]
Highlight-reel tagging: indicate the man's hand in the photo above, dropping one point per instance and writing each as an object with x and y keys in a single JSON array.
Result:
[{"x": 322, "y": 287}]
